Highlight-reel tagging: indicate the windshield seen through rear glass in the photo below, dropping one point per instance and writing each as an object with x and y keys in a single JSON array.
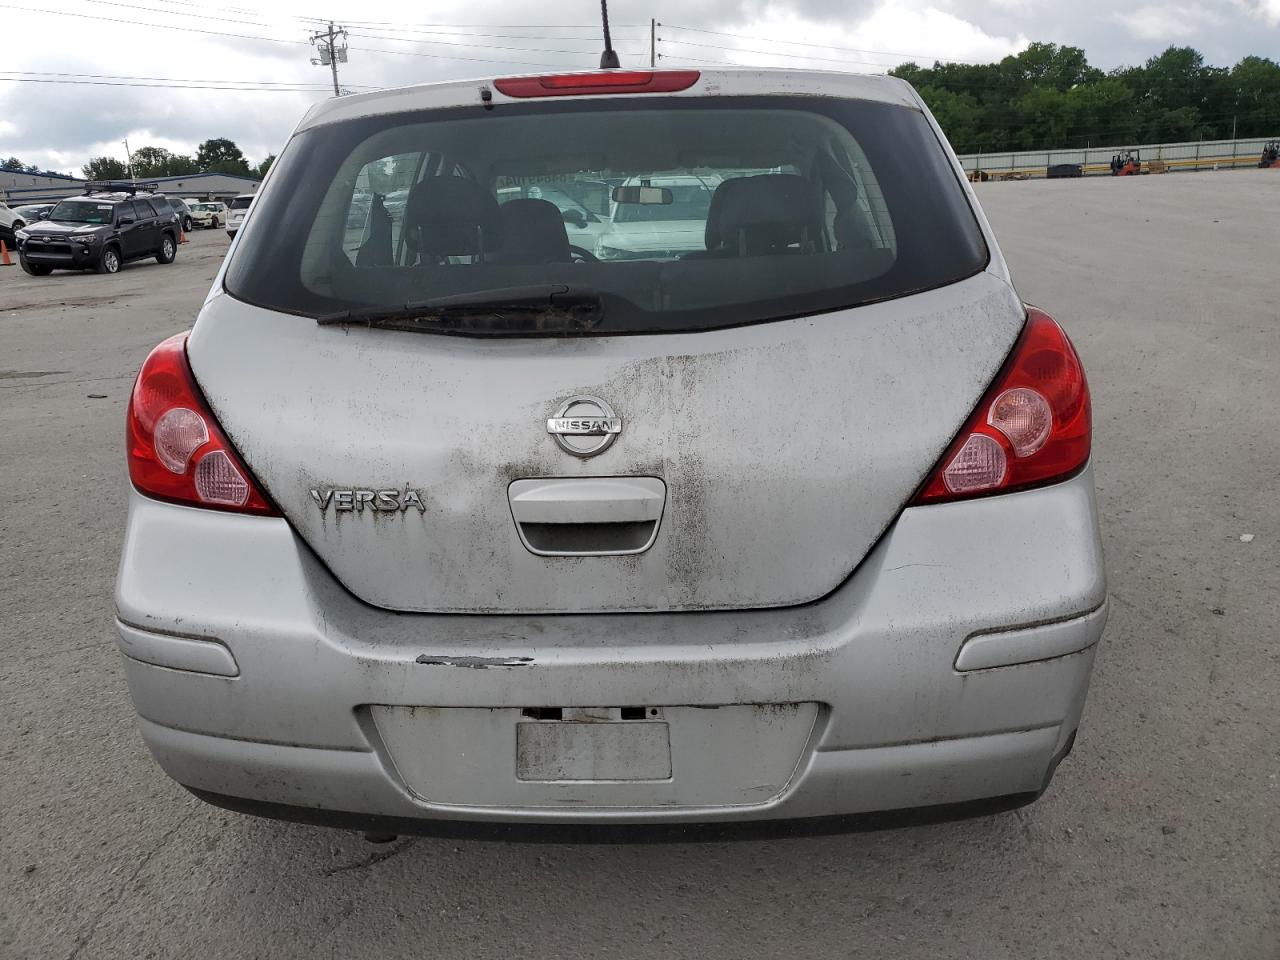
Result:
[
  {"x": 83, "y": 211},
  {"x": 678, "y": 213}
]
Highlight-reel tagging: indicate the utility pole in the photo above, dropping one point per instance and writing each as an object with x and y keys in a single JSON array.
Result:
[
  {"x": 653, "y": 42},
  {"x": 330, "y": 53},
  {"x": 129, "y": 159}
]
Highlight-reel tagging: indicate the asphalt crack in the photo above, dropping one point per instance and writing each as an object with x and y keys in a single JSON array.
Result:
[
  {"x": 370, "y": 861},
  {"x": 83, "y": 940}
]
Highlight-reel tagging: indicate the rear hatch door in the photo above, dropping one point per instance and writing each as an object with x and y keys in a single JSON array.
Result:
[{"x": 783, "y": 449}]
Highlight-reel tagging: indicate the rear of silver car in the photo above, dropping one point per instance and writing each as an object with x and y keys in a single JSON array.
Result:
[{"x": 451, "y": 521}]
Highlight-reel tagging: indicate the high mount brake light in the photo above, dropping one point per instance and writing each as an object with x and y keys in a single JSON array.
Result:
[
  {"x": 606, "y": 81},
  {"x": 1032, "y": 428},
  {"x": 176, "y": 449}
]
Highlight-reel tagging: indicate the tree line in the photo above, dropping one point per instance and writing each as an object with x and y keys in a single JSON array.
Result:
[
  {"x": 218, "y": 155},
  {"x": 1048, "y": 97}
]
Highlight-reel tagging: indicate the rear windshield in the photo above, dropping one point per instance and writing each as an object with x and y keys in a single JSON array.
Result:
[
  {"x": 680, "y": 213},
  {"x": 241, "y": 203}
]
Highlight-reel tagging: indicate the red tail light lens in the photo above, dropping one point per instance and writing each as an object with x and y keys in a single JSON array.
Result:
[
  {"x": 176, "y": 449},
  {"x": 1032, "y": 428},
  {"x": 606, "y": 81}
]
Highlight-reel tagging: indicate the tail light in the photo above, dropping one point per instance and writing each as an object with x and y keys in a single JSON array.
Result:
[
  {"x": 1032, "y": 428},
  {"x": 606, "y": 81},
  {"x": 176, "y": 449}
]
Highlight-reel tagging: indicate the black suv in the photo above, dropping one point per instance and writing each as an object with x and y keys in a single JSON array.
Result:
[{"x": 111, "y": 224}]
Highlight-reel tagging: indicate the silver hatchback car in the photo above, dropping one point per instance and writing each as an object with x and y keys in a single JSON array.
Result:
[{"x": 438, "y": 517}]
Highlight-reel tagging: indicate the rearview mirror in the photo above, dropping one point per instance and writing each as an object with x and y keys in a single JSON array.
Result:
[{"x": 649, "y": 196}]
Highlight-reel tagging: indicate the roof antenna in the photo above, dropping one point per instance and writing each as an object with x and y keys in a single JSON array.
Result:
[{"x": 608, "y": 59}]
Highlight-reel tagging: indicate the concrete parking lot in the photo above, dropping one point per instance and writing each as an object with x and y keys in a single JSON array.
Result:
[{"x": 1160, "y": 836}]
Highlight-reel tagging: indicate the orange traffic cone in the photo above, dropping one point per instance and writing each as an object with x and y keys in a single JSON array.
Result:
[
  {"x": 182, "y": 235},
  {"x": 4, "y": 256}
]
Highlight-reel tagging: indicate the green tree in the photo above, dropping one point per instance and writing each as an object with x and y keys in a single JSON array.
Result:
[
  {"x": 1044, "y": 118},
  {"x": 959, "y": 115},
  {"x": 220, "y": 155},
  {"x": 260, "y": 171},
  {"x": 1102, "y": 113},
  {"x": 1049, "y": 65},
  {"x": 159, "y": 162},
  {"x": 14, "y": 164},
  {"x": 105, "y": 168},
  {"x": 1048, "y": 96},
  {"x": 1250, "y": 95}
]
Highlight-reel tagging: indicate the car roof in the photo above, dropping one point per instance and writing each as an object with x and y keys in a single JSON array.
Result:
[{"x": 729, "y": 82}]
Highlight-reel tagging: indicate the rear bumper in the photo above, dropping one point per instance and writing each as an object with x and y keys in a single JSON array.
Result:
[{"x": 255, "y": 674}]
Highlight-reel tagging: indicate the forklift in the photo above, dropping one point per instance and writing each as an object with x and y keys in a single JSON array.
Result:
[
  {"x": 1128, "y": 165},
  {"x": 1270, "y": 155}
]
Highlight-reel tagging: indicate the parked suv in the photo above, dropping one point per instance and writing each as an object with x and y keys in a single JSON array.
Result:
[
  {"x": 788, "y": 516},
  {"x": 236, "y": 211},
  {"x": 10, "y": 222},
  {"x": 183, "y": 212},
  {"x": 110, "y": 225}
]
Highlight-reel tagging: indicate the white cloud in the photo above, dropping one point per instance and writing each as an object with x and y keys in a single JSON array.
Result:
[
  {"x": 1167, "y": 23},
  {"x": 889, "y": 35},
  {"x": 1268, "y": 10}
]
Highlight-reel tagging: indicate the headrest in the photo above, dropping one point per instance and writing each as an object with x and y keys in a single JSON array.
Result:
[
  {"x": 763, "y": 213},
  {"x": 457, "y": 217},
  {"x": 533, "y": 232}
]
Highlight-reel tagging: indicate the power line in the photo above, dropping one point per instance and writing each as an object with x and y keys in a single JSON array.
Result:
[
  {"x": 176, "y": 13},
  {"x": 163, "y": 86},
  {"x": 108, "y": 76},
  {"x": 446, "y": 56},
  {"x": 188, "y": 3},
  {"x": 479, "y": 46},
  {"x": 158, "y": 26},
  {"x": 241, "y": 36},
  {"x": 494, "y": 26},
  {"x": 389, "y": 35}
]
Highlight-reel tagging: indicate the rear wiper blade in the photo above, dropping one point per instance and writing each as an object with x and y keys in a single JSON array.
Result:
[{"x": 547, "y": 307}]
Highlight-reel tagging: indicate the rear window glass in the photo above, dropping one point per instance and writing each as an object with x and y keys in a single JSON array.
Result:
[
  {"x": 680, "y": 213},
  {"x": 241, "y": 203}
]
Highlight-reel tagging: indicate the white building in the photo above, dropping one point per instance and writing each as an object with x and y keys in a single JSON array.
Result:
[{"x": 17, "y": 188}]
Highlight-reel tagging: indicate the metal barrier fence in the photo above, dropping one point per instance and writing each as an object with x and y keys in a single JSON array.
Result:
[{"x": 1194, "y": 155}]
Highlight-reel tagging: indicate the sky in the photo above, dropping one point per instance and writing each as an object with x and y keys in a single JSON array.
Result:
[{"x": 253, "y": 87}]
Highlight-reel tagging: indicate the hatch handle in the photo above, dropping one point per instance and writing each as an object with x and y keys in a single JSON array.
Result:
[{"x": 587, "y": 516}]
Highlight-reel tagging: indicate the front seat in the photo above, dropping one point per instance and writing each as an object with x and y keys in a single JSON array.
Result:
[
  {"x": 533, "y": 232},
  {"x": 451, "y": 217},
  {"x": 772, "y": 213}
]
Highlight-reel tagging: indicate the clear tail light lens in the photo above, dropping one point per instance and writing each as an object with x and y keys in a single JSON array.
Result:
[
  {"x": 1032, "y": 428},
  {"x": 176, "y": 449}
]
